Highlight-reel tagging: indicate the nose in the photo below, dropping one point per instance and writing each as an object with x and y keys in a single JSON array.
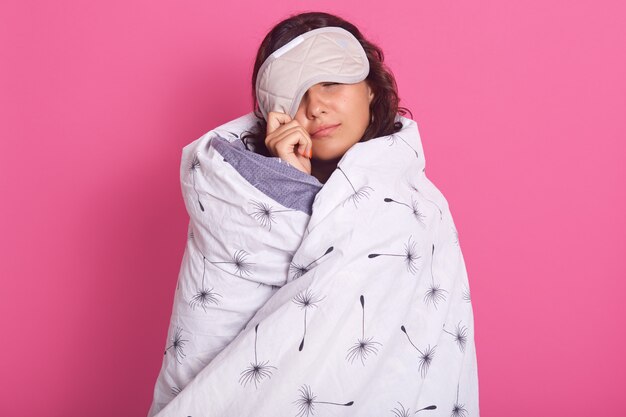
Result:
[{"x": 312, "y": 103}]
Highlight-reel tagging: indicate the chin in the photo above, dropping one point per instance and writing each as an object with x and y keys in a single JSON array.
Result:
[
  {"x": 328, "y": 151},
  {"x": 327, "y": 157}
]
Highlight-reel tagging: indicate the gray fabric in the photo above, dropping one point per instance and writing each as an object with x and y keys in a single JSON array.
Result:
[{"x": 278, "y": 180}]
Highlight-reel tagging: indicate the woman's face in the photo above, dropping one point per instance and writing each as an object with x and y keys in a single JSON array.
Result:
[{"x": 346, "y": 106}]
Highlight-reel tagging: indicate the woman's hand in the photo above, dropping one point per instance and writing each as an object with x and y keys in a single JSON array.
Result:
[{"x": 284, "y": 135}]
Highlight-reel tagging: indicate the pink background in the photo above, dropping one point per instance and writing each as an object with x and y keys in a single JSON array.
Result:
[{"x": 521, "y": 107}]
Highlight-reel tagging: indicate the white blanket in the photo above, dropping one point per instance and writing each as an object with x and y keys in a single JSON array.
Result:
[{"x": 297, "y": 298}]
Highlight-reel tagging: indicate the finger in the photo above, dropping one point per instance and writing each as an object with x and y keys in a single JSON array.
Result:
[
  {"x": 280, "y": 133},
  {"x": 305, "y": 149},
  {"x": 275, "y": 120},
  {"x": 288, "y": 143},
  {"x": 283, "y": 132},
  {"x": 304, "y": 144},
  {"x": 308, "y": 148}
]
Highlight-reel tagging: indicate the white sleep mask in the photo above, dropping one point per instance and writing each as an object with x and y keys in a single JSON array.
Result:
[{"x": 327, "y": 54}]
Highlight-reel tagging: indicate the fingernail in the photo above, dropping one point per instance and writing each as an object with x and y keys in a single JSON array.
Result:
[{"x": 310, "y": 153}]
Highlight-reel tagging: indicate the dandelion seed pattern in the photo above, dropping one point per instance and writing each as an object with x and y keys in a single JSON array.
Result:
[
  {"x": 239, "y": 262},
  {"x": 364, "y": 346},
  {"x": 393, "y": 138},
  {"x": 175, "y": 391},
  {"x": 264, "y": 213},
  {"x": 459, "y": 334},
  {"x": 306, "y": 299},
  {"x": 204, "y": 296},
  {"x": 306, "y": 402},
  {"x": 178, "y": 343},
  {"x": 435, "y": 293},
  {"x": 406, "y": 413},
  {"x": 466, "y": 294},
  {"x": 458, "y": 410},
  {"x": 410, "y": 256},
  {"x": 430, "y": 407},
  {"x": 426, "y": 357},
  {"x": 361, "y": 193},
  {"x": 401, "y": 413},
  {"x": 299, "y": 270},
  {"x": 414, "y": 207},
  {"x": 193, "y": 167},
  {"x": 256, "y": 371},
  {"x": 429, "y": 200}
]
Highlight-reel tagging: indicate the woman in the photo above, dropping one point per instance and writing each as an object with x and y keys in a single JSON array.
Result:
[{"x": 324, "y": 263}]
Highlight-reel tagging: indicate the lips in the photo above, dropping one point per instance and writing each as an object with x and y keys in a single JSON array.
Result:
[{"x": 324, "y": 131}]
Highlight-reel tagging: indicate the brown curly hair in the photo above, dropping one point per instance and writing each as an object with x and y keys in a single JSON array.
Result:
[{"x": 384, "y": 106}]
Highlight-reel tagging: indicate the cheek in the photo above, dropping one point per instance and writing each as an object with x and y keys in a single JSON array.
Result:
[
  {"x": 355, "y": 107},
  {"x": 300, "y": 117},
  {"x": 361, "y": 112}
]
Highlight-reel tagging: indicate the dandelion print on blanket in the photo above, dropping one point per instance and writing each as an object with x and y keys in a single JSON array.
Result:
[
  {"x": 298, "y": 270},
  {"x": 242, "y": 268},
  {"x": 458, "y": 410},
  {"x": 402, "y": 412},
  {"x": 393, "y": 139},
  {"x": 194, "y": 168},
  {"x": 363, "y": 346},
  {"x": 414, "y": 188},
  {"x": 306, "y": 402},
  {"x": 410, "y": 256},
  {"x": 414, "y": 207},
  {"x": 357, "y": 195},
  {"x": 426, "y": 356},
  {"x": 306, "y": 300},
  {"x": 264, "y": 213},
  {"x": 460, "y": 335},
  {"x": 257, "y": 370},
  {"x": 435, "y": 293},
  {"x": 466, "y": 294},
  {"x": 178, "y": 343},
  {"x": 204, "y": 296}
]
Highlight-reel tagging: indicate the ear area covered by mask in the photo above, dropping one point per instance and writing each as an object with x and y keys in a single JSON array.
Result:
[{"x": 327, "y": 54}]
